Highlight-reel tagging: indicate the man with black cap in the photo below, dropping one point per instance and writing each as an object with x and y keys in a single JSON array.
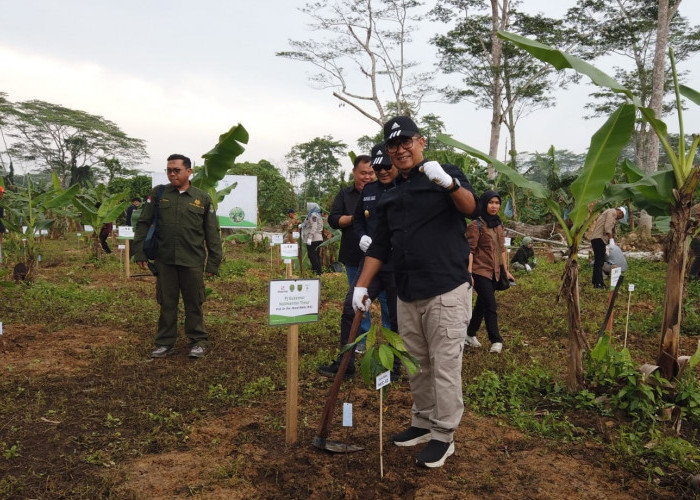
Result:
[
  {"x": 421, "y": 228},
  {"x": 364, "y": 225}
]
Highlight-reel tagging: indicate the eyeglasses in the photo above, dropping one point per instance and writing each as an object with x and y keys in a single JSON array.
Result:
[
  {"x": 379, "y": 168},
  {"x": 173, "y": 171},
  {"x": 405, "y": 142}
]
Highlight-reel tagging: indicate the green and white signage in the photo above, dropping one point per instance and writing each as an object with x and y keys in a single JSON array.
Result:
[{"x": 294, "y": 301}]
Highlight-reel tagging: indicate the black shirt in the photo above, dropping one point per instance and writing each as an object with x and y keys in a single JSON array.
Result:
[
  {"x": 344, "y": 204},
  {"x": 422, "y": 231}
]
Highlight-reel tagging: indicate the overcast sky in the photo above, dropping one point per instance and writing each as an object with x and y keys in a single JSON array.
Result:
[{"x": 179, "y": 73}]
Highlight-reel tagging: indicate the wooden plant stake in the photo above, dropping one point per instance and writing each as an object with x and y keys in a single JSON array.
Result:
[
  {"x": 630, "y": 289},
  {"x": 127, "y": 260},
  {"x": 381, "y": 444},
  {"x": 292, "y": 378}
]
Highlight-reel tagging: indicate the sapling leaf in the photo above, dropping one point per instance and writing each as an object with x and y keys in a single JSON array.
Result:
[
  {"x": 386, "y": 356},
  {"x": 366, "y": 366},
  {"x": 372, "y": 336},
  {"x": 394, "y": 339}
]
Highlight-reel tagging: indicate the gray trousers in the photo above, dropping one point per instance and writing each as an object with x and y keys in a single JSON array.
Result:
[{"x": 433, "y": 330}]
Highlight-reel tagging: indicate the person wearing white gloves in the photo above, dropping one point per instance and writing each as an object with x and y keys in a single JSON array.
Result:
[
  {"x": 603, "y": 233},
  {"x": 383, "y": 286},
  {"x": 420, "y": 227}
]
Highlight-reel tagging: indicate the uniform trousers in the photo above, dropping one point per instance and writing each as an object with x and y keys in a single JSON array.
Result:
[{"x": 173, "y": 281}]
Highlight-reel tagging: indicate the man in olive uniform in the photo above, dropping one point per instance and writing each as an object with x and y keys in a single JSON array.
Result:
[{"x": 188, "y": 236}]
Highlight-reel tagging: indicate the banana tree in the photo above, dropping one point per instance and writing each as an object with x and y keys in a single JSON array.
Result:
[
  {"x": 29, "y": 213},
  {"x": 97, "y": 207},
  {"x": 673, "y": 187},
  {"x": 598, "y": 169}
]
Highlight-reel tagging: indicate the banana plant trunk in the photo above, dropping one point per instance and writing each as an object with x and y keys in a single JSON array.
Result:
[
  {"x": 569, "y": 289},
  {"x": 676, "y": 249}
]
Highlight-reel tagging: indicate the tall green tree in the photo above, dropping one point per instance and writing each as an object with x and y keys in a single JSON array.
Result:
[
  {"x": 275, "y": 193},
  {"x": 502, "y": 78},
  {"x": 640, "y": 31},
  {"x": 314, "y": 168},
  {"x": 371, "y": 37},
  {"x": 72, "y": 143}
]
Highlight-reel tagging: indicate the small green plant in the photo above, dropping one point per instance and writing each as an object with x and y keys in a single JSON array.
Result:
[
  {"x": 383, "y": 346},
  {"x": 10, "y": 452}
]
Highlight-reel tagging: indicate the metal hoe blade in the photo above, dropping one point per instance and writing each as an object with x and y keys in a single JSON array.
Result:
[{"x": 334, "y": 446}]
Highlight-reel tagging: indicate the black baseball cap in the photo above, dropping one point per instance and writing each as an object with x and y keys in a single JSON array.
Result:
[
  {"x": 378, "y": 156},
  {"x": 400, "y": 126}
]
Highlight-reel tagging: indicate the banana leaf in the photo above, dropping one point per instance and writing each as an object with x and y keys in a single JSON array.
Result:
[
  {"x": 599, "y": 168},
  {"x": 221, "y": 158}
]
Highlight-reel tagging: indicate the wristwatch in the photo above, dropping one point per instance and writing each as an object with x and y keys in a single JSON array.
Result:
[{"x": 455, "y": 185}]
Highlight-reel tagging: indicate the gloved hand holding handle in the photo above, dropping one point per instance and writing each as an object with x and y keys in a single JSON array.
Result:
[{"x": 360, "y": 299}]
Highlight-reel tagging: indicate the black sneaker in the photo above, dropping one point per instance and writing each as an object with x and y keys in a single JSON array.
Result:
[
  {"x": 331, "y": 370},
  {"x": 435, "y": 454},
  {"x": 411, "y": 437}
]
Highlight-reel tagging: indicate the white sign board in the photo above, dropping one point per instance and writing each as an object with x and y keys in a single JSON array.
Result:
[
  {"x": 383, "y": 379},
  {"x": 630, "y": 288},
  {"x": 277, "y": 239},
  {"x": 615, "y": 274},
  {"x": 508, "y": 241},
  {"x": 289, "y": 250},
  {"x": 239, "y": 208},
  {"x": 296, "y": 234},
  {"x": 294, "y": 301},
  {"x": 125, "y": 232},
  {"x": 88, "y": 228}
]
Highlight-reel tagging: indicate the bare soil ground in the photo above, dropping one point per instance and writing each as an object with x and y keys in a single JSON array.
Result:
[
  {"x": 96, "y": 417},
  {"x": 237, "y": 456}
]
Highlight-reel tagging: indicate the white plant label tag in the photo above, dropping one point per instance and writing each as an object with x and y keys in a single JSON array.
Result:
[
  {"x": 630, "y": 288},
  {"x": 383, "y": 379},
  {"x": 121, "y": 247},
  {"x": 507, "y": 242},
  {"x": 0, "y": 327},
  {"x": 347, "y": 414}
]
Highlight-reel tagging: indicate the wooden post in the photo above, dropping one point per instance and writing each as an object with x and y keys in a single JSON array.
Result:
[
  {"x": 127, "y": 260},
  {"x": 381, "y": 447},
  {"x": 292, "y": 378}
]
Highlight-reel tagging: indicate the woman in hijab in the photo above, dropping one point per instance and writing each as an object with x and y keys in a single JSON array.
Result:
[
  {"x": 312, "y": 232},
  {"x": 487, "y": 260}
]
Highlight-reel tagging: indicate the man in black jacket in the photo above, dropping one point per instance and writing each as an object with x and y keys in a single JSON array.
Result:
[
  {"x": 364, "y": 225},
  {"x": 421, "y": 228}
]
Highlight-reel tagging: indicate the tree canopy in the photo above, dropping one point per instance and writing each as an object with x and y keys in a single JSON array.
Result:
[
  {"x": 275, "y": 193},
  {"x": 76, "y": 145},
  {"x": 314, "y": 167}
]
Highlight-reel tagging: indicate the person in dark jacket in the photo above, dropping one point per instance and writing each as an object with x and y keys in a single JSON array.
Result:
[
  {"x": 421, "y": 227},
  {"x": 524, "y": 258},
  {"x": 342, "y": 216},
  {"x": 135, "y": 202},
  {"x": 364, "y": 225}
]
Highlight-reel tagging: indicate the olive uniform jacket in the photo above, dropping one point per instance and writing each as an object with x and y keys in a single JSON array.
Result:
[{"x": 188, "y": 232}]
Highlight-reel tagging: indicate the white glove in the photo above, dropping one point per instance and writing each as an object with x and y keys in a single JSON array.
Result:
[
  {"x": 365, "y": 242},
  {"x": 611, "y": 242},
  {"x": 357, "y": 295},
  {"x": 434, "y": 171},
  {"x": 308, "y": 242},
  {"x": 528, "y": 268}
]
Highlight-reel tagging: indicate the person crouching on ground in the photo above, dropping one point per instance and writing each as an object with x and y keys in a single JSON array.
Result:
[{"x": 524, "y": 259}]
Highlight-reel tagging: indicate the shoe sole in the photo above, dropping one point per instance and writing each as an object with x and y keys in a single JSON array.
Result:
[
  {"x": 164, "y": 355},
  {"x": 432, "y": 465},
  {"x": 413, "y": 442}
]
